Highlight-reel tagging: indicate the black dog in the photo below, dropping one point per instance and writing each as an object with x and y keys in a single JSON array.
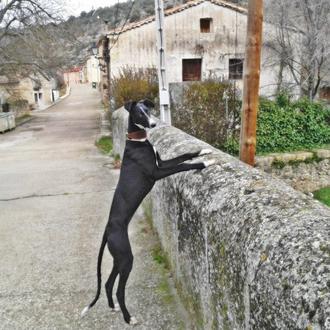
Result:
[{"x": 141, "y": 168}]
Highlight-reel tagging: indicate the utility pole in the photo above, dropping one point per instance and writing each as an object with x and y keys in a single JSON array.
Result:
[
  {"x": 106, "y": 56},
  {"x": 251, "y": 82},
  {"x": 164, "y": 98}
]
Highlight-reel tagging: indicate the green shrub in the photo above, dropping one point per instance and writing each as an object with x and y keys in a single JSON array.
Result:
[
  {"x": 287, "y": 126},
  {"x": 134, "y": 84},
  {"x": 284, "y": 125},
  {"x": 203, "y": 112},
  {"x": 231, "y": 146}
]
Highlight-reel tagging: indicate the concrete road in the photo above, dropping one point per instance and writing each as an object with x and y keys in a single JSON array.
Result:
[{"x": 55, "y": 194}]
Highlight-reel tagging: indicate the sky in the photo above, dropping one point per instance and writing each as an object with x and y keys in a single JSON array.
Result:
[{"x": 75, "y": 7}]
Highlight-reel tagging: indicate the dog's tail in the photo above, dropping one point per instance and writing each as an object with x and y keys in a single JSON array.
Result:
[{"x": 99, "y": 263}]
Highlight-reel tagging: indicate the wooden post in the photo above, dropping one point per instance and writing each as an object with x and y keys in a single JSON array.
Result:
[
  {"x": 108, "y": 68},
  {"x": 251, "y": 82}
]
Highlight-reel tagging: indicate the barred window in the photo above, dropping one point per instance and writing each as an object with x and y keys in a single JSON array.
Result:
[{"x": 236, "y": 68}]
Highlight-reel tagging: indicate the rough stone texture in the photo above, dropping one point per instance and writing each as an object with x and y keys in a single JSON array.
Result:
[
  {"x": 299, "y": 171},
  {"x": 248, "y": 251},
  {"x": 323, "y": 153},
  {"x": 265, "y": 162},
  {"x": 304, "y": 177}
]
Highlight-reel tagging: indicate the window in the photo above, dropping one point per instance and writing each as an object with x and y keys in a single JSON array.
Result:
[
  {"x": 205, "y": 24},
  {"x": 191, "y": 69},
  {"x": 236, "y": 68}
]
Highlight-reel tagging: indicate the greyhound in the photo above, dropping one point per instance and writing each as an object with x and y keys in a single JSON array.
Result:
[{"x": 141, "y": 168}]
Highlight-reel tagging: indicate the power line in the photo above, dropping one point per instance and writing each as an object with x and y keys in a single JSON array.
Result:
[
  {"x": 123, "y": 26},
  {"x": 116, "y": 15}
]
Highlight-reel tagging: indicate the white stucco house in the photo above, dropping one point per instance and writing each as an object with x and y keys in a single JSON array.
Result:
[
  {"x": 92, "y": 70},
  {"x": 203, "y": 38}
]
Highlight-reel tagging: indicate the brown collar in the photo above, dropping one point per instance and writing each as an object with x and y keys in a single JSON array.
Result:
[{"x": 138, "y": 135}]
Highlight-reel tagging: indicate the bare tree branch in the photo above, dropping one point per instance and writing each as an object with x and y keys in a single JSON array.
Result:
[{"x": 302, "y": 42}]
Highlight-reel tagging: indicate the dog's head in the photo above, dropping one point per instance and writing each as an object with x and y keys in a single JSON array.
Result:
[{"x": 139, "y": 113}]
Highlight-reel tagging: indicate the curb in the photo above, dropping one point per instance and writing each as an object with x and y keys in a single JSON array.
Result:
[
  {"x": 105, "y": 129},
  {"x": 25, "y": 121}
]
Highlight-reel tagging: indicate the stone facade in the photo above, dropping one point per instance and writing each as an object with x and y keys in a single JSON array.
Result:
[
  {"x": 38, "y": 91},
  {"x": 247, "y": 250},
  {"x": 136, "y": 45},
  {"x": 74, "y": 76}
]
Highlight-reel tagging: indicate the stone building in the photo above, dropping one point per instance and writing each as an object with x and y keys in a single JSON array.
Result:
[
  {"x": 75, "y": 75},
  {"x": 36, "y": 91},
  {"x": 93, "y": 74},
  {"x": 204, "y": 38}
]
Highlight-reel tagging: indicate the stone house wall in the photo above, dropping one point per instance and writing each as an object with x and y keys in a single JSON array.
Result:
[{"x": 184, "y": 40}]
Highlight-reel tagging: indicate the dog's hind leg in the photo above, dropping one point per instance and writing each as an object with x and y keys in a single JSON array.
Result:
[
  {"x": 109, "y": 287},
  {"x": 124, "y": 271},
  {"x": 120, "y": 249}
]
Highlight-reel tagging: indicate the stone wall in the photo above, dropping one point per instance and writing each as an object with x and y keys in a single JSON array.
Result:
[
  {"x": 304, "y": 171},
  {"x": 119, "y": 129},
  {"x": 247, "y": 251}
]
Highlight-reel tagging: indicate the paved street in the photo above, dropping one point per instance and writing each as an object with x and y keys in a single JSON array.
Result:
[{"x": 55, "y": 195}]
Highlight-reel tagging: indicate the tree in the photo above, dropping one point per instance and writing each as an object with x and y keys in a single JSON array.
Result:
[
  {"x": 28, "y": 35},
  {"x": 301, "y": 41}
]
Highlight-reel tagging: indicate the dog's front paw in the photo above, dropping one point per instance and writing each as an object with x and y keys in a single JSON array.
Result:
[
  {"x": 205, "y": 152},
  {"x": 209, "y": 162}
]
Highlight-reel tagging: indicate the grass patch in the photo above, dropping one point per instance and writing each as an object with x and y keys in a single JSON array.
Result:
[
  {"x": 278, "y": 164},
  {"x": 323, "y": 195},
  {"x": 165, "y": 290},
  {"x": 160, "y": 257},
  {"x": 105, "y": 144}
]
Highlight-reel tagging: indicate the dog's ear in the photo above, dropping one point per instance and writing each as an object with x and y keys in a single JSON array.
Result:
[
  {"x": 129, "y": 105},
  {"x": 148, "y": 103}
]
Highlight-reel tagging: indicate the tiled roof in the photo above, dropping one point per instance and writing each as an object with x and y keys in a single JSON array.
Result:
[
  {"x": 177, "y": 9},
  {"x": 74, "y": 69}
]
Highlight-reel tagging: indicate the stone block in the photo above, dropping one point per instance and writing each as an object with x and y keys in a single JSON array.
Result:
[
  {"x": 322, "y": 153},
  {"x": 303, "y": 155},
  {"x": 264, "y": 162}
]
